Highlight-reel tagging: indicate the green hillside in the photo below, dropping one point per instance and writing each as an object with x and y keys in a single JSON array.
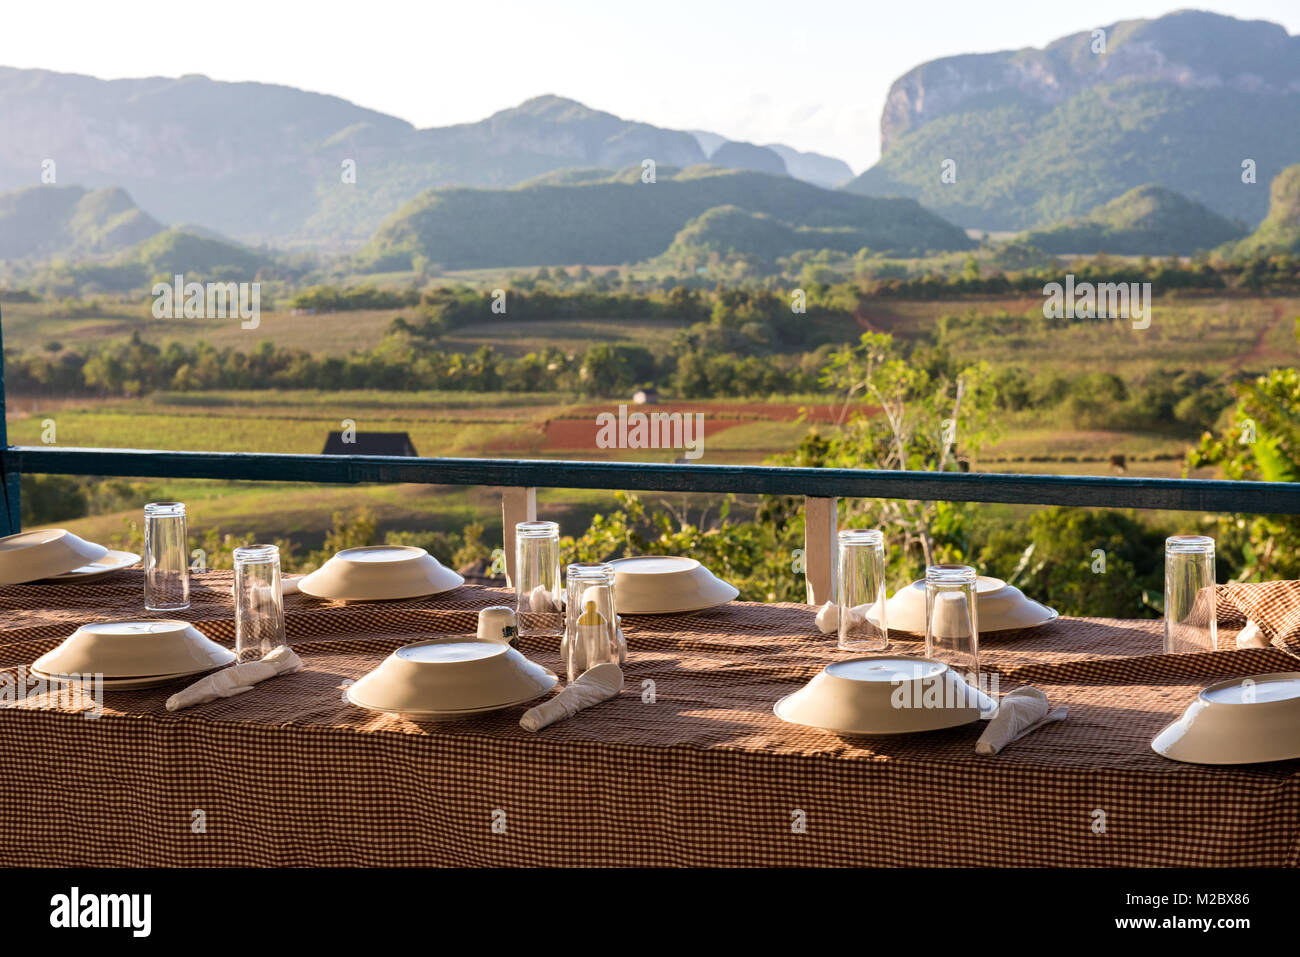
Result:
[
  {"x": 622, "y": 219},
  {"x": 730, "y": 229},
  {"x": 45, "y": 222},
  {"x": 1280, "y": 230},
  {"x": 167, "y": 253},
  {"x": 1148, "y": 220},
  {"x": 175, "y": 251},
  {"x": 1036, "y": 137}
]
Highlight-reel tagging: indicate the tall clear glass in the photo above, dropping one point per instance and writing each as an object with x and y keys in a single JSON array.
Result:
[
  {"x": 166, "y": 557},
  {"x": 259, "y": 602},
  {"x": 539, "y": 596},
  {"x": 591, "y": 619},
  {"x": 860, "y": 590},
  {"x": 1191, "y": 622},
  {"x": 952, "y": 632}
]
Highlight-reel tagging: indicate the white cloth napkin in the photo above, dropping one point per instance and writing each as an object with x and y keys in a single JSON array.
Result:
[
  {"x": 1252, "y": 636},
  {"x": 236, "y": 679},
  {"x": 828, "y": 618},
  {"x": 592, "y": 687},
  {"x": 1019, "y": 712},
  {"x": 540, "y": 600}
]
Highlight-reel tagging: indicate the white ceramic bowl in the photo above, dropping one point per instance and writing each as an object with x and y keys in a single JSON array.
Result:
[
  {"x": 379, "y": 573},
  {"x": 658, "y": 585},
  {"x": 880, "y": 695},
  {"x": 1239, "y": 721},
  {"x": 999, "y": 606},
  {"x": 450, "y": 676},
  {"x": 43, "y": 553},
  {"x": 133, "y": 649}
]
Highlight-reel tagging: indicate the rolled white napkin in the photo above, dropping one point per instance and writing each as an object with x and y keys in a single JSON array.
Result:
[
  {"x": 828, "y": 618},
  {"x": 236, "y": 679},
  {"x": 1252, "y": 636},
  {"x": 1019, "y": 712},
  {"x": 541, "y": 600},
  {"x": 592, "y": 687}
]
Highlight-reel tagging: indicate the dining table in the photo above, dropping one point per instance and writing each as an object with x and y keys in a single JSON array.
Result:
[{"x": 687, "y": 766}]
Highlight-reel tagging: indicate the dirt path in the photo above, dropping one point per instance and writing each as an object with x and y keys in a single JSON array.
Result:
[{"x": 1260, "y": 352}]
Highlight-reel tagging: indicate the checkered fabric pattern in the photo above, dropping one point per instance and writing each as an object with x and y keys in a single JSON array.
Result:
[
  {"x": 1274, "y": 606},
  {"x": 687, "y": 767}
]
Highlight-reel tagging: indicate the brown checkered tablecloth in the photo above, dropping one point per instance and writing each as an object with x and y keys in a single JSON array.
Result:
[{"x": 687, "y": 767}]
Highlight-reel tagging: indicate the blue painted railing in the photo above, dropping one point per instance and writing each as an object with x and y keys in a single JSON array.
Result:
[{"x": 1085, "y": 491}]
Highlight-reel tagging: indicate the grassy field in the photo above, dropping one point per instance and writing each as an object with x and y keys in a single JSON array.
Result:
[
  {"x": 1216, "y": 335},
  {"x": 1225, "y": 336}
]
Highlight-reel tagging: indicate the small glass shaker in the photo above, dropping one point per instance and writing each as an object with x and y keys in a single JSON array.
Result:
[
  {"x": 166, "y": 557},
  {"x": 952, "y": 618},
  {"x": 539, "y": 597},
  {"x": 1191, "y": 621},
  {"x": 860, "y": 590},
  {"x": 259, "y": 602},
  {"x": 591, "y": 622}
]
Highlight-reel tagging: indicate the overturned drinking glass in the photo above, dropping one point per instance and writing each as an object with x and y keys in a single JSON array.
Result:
[
  {"x": 539, "y": 599},
  {"x": 166, "y": 557},
  {"x": 259, "y": 602},
  {"x": 860, "y": 590},
  {"x": 1191, "y": 623},
  {"x": 951, "y": 617},
  {"x": 591, "y": 620}
]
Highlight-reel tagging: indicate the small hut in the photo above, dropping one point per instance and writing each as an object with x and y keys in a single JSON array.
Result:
[{"x": 369, "y": 443}]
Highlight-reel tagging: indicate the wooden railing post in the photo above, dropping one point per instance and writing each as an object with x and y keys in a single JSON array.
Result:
[
  {"x": 517, "y": 505},
  {"x": 819, "y": 548}
]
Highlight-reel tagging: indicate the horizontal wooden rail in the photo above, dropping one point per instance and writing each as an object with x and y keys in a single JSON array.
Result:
[{"x": 1198, "y": 495}]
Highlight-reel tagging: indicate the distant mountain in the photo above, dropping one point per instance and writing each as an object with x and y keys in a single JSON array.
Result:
[
  {"x": 813, "y": 168},
  {"x": 45, "y": 222},
  {"x": 759, "y": 159},
  {"x": 1148, "y": 220},
  {"x": 825, "y": 171},
  {"x": 622, "y": 219},
  {"x": 1280, "y": 230},
  {"x": 162, "y": 255},
  {"x": 176, "y": 251},
  {"x": 709, "y": 142},
  {"x": 1034, "y": 137},
  {"x": 259, "y": 161}
]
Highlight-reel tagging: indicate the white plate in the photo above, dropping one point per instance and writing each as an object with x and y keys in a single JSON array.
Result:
[
  {"x": 114, "y": 561},
  {"x": 1000, "y": 607},
  {"x": 1249, "y": 720},
  {"x": 43, "y": 553},
  {"x": 666, "y": 585},
  {"x": 380, "y": 573},
  {"x": 123, "y": 684},
  {"x": 451, "y": 675},
  {"x": 450, "y": 715},
  {"x": 879, "y": 695},
  {"x": 134, "y": 649}
]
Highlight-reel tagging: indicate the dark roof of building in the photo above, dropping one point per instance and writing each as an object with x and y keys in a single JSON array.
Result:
[{"x": 370, "y": 443}]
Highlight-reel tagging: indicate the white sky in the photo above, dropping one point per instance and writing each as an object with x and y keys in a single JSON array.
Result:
[{"x": 809, "y": 73}]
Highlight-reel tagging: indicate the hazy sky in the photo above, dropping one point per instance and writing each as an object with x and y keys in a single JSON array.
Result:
[{"x": 810, "y": 73}]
